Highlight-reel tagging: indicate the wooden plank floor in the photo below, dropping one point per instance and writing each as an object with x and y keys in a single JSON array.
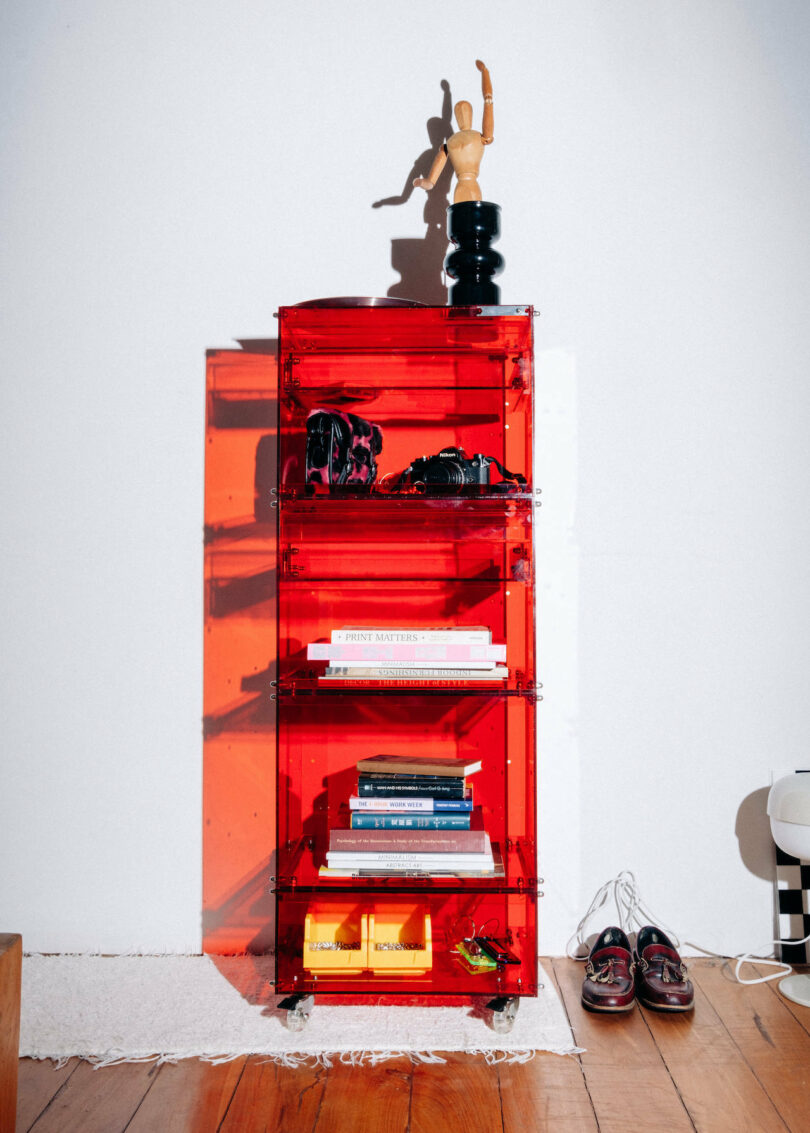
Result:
[{"x": 741, "y": 1061}]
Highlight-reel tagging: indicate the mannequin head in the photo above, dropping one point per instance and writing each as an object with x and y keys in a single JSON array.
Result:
[{"x": 464, "y": 115}]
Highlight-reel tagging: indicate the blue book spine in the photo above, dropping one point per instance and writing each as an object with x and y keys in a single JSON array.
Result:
[
  {"x": 377, "y": 820},
  {"x": 452, "y": 804}
]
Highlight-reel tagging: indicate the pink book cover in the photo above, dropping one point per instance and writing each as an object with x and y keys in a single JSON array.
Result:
[{"x": 407, "y": 653}]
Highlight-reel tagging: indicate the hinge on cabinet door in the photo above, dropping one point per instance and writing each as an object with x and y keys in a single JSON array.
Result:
[
  {"x": 527, "y": 688},
  {"x": 521, "y": 569},
  {"x": 518, "y": 379},
  {"x": 291, "y": 379},
  {"x": 287, "y": 568}
]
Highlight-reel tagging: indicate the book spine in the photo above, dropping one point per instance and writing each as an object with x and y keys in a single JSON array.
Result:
[
  {"x": 424, "y": 653},
  {"x": 452, "y": 804},
  {"x": 447, "y": 789},
  {"x": 373, "y": 820},
  {"x": 420, "y": 804},
  {"x": 411, "y": 777},
  {"x": 339, "y": 859},
  {"x": 392, "y": 674},
  {"x": 381, "y": 871},
  {"x": 424, "y": 767},
  {"x": 372, "y": 636},
  {"x": 414, "y": 663},
  {"x": 408, "y": 841}
]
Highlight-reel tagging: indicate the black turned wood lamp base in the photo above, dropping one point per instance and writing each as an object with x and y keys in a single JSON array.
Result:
[{"x": 472, "y": 226}]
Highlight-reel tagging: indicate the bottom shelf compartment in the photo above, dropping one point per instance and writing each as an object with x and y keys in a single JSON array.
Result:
[{"x": 422, "y": 944}]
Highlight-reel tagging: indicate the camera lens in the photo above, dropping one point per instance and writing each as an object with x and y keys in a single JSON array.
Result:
[{"x": 443, "y": 473}]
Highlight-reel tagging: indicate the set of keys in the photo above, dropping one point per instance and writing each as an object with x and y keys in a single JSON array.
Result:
[{"x": 485, "y": 953}]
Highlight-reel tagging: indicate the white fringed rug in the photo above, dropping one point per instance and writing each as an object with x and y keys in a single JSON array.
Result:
[{"x": 124, "y": 1008}]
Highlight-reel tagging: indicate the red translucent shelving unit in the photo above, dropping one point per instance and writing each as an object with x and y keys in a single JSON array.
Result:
[{"x": 431, "y": 378}]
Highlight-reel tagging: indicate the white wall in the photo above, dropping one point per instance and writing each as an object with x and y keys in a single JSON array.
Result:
[{"x": 173, "y": 172}]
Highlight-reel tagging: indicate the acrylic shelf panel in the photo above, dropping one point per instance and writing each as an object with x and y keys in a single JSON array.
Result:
[
  {"x": 452, "y": 916},
  {"x": 320, "y": 741},
  {"x": 361, "y": 330},
  {"x": 404, "y": 538},
  {"x": 325, "y": 538},
  {"x": 300, "y": 861}
]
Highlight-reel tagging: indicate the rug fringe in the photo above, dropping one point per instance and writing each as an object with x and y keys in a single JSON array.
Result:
[
  {"x": 325, "y": 1058},
  {"x": 292, "y": 1060}
]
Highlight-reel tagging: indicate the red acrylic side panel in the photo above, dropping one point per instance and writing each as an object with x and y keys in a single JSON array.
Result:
[{"x": 239, "y": 648}]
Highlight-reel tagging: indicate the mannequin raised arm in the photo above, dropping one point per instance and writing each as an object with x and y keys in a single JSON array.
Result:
[{"x": 488, "y": 127}]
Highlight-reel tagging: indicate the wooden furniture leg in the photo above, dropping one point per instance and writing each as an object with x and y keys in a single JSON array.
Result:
[{"x": 10, "y": 981}]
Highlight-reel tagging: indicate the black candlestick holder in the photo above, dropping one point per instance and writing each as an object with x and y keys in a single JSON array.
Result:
[{"x": 472, "y": 226}]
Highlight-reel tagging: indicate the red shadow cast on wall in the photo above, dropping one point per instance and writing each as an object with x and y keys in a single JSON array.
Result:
[{"x": 239, "y": 727}]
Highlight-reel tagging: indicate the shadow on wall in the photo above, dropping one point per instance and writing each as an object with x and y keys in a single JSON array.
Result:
[
  {"x": 239, "y": 725},
  {"x": 753, "y": 830},
  {"x": 245, "y": 919},
  {"x": 420, "y": 261}
]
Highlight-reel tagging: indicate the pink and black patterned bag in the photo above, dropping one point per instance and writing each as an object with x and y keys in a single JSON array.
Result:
[{"x": 341, "y": 448}]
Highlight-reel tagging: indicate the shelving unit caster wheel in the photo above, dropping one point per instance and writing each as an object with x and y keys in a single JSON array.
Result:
[
  {"x": 299, "y": 1009},
  {"x": 504, "y": 1009}
]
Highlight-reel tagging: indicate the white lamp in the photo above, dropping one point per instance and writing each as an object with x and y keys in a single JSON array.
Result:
[{"x": 789, "y": 812}]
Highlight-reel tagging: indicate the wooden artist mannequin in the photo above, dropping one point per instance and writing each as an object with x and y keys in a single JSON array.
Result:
[{"x": 466, "y": 147}]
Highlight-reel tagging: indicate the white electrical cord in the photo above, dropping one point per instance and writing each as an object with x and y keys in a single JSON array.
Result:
[
  {"x": 751, "y": 958},
  {"x": 631, "y": 911}
]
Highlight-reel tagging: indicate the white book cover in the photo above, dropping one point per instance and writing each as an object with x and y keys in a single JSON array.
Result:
[
  {"x": 467, "y": 635},
  {"x": 402, "y": 804},
  {"x": 337, "y": 859}
]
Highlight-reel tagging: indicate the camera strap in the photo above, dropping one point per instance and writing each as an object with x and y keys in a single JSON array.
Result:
[{"x": 507, "y": 475}]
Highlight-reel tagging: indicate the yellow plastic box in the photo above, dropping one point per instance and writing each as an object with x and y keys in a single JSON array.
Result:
[
  {"x": 400, "y": 941},
  {"x": 336, "y": 940}
]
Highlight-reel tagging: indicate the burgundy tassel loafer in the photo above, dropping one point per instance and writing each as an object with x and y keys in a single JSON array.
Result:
[
  {"x": 608, "y": 984},
  {"x": 661, "y": 980}
]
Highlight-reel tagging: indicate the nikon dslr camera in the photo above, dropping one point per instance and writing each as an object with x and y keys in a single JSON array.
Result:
[{"x": 452, "y": 470}]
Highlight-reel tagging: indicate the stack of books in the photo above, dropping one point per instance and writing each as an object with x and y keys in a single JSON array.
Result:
[
  {"x": 411, "y": 815},
  {"x": 362, "y": 653}
]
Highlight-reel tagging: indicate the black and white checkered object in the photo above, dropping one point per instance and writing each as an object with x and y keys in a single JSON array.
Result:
[
  {"x": 793, "y": 910},
  {"x": 793, "y": 905}
]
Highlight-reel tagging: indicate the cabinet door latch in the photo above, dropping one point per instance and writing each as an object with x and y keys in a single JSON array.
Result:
[
  {"x": 291, "y": 379},
  {"x": 288, "y": 568}
]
